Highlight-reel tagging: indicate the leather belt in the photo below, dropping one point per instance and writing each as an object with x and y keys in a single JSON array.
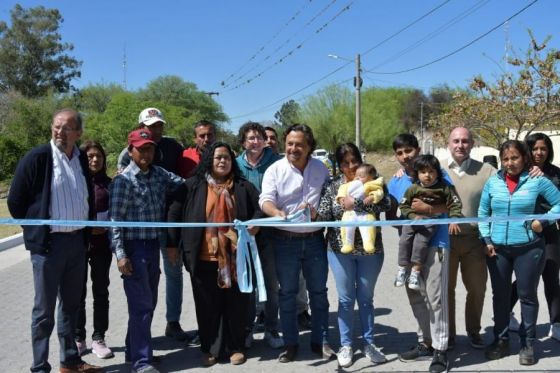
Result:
[
  {"x": 72, "y": 233},
  {"x": 291, "y": 235}
]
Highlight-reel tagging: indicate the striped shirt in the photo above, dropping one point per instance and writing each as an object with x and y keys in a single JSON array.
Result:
[
  {"x": 139, "y": 197},
  {"x": 69, "y": 193}
]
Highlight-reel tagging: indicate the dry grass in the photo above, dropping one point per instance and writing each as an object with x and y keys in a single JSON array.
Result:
[
  {"x": 7, "y": 230},
  {"x": 385, "y": 163}
]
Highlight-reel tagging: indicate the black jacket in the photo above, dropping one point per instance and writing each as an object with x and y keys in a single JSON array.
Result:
[
  {"x": 189, "y": 205},
  {"x": 30, "y": 194}
]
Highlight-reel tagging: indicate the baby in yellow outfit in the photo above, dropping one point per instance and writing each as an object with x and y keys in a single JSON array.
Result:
[{"x": 366, "y": 184}]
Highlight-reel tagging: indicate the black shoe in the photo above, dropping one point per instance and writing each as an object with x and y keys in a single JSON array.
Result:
[
  {"x": 451, "y": 344},
  {"x": 526, "y": 355},
  {"x": 193, "y": 339},
  {"x": 289, "y": 354},
  {"x": 304, "y": 321},
  {"x": 259, "y": 323},
  {"x": 174, "y": 330},
  {"x": 417, "y": 353},
  {"x": 476, "y": 341},
  {"x": 497, "y": 350},
  {"x": 324, "y": 350},
  {"x": 439, "y": 362}
]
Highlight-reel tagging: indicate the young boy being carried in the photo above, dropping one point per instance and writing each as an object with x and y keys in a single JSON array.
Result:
[{"x": 430, "y": 187}]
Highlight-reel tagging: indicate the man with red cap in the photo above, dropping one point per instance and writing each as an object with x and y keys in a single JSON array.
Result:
[{"x": 138, "y": 194}]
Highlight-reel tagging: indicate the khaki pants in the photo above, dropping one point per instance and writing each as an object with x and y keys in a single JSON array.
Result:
[{"x": 467, "y": 253}]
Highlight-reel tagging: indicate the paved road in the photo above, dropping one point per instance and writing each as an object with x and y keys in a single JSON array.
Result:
[{"x": 394, "y": 330}]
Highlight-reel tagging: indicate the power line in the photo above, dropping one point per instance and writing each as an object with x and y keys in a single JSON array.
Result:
[
  {"x": 291, "y": 52},
  {"x": 406, "y": 27},
  {"x": 293, "y": 93},
  {"x": 456, "y": 50},
  {"x": 286, "y": 42},
  {"x": 263, "y": 47},
  {"x": 345, "y": 64},
  {"x": 434, "y": 33}
]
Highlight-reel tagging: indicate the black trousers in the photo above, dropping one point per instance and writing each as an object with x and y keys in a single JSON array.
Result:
[
  {"x": 99, "y": 256},
  {"x": 221, "y": 313},
  {"x": 551, "y": 283}
]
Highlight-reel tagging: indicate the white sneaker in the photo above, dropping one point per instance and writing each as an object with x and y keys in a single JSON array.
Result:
[
  {"x": 374, "y": 354},
  {"x": 401, "y": 277},
  {"x": 513, "y": 323},
  {"x": 100, "y": 349},
  {"x": 273, "y": 339},
  {"x": 555, "y": 331},
  {"x": 344, "y": 356},
  {"x": 414, "y": 280}
]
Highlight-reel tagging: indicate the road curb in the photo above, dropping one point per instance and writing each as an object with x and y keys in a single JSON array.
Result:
[{"x": 12, "y": 241}]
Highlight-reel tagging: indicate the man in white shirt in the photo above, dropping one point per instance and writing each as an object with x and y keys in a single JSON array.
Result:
[
  {"x": 52, "y": 182},
  {"x": 291, "y": 184}
]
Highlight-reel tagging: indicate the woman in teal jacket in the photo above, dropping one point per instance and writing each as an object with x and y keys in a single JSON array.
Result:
[{"x": 515, "y": 246}]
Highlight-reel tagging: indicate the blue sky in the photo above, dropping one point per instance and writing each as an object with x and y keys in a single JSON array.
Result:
[{"x": 207, "y": 41}]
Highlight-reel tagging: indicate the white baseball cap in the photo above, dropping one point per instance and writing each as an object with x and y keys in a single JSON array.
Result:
[{"x": 150, "y": 116}]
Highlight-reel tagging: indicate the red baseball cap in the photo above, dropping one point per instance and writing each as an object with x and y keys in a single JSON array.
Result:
[{"x": 140, "y": 137}]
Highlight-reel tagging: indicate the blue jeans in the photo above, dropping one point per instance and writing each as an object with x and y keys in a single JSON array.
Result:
[
  {"x": 310, "y": 255},
  {"x": 173, "y": 284},
  {"x": 141, "y": 289},
  {"x": 59, "y": 272},
  {"x": 527, "y": 261},
  {"x": 355, "y": 277}
]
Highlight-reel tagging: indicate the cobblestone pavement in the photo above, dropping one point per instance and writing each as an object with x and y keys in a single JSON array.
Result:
[{"x": 395, "y": 330}]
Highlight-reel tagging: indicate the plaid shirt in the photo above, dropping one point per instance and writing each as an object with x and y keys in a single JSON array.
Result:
[{"x": 136, "y": 196}]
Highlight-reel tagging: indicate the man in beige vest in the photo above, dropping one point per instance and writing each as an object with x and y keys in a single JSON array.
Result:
[{"x": 467, "y": 252}]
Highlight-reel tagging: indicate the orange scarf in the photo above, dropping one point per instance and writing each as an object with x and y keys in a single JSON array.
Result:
[{"x": 222, "y": 241}]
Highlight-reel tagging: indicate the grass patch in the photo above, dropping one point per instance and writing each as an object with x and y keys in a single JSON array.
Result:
[{"x": 7, "y": 230}]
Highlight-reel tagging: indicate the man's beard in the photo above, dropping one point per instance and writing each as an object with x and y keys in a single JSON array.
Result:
[{"x": 61, "y": 145}]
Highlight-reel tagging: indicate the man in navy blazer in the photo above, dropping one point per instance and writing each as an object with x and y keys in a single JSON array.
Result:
[{"x": 52, "y": 182}]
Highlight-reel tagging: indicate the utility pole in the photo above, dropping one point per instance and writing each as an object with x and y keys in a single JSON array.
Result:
[
  {"x": 124, "y": 67},
  {"x": 358, "y": 85},
  {"x": 421, "y": 123}
]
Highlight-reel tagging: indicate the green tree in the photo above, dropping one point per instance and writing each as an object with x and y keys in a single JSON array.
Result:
[
  {"x": 93, "y": 98},
  {"x": 288, "y": 114},
  {"x": 524, "y": 100},
  {"x": 383, "y": 111},
  {"x": 33, "y": 60},
  {"x": 184, "y": 99},
  {"x": 330, "y": 113},
  {"x": 25, "y": 123}
]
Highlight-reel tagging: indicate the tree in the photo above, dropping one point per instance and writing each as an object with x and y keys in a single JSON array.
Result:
[
  {"x": 172, "y": 94},
  {"x": 24, "y": 123},
  {"x": 33, "y": 60},
  {"x": 383, "y": 114},
  {"x": 330, "y": 114},
  {"x": 518, "y": 102},
  {"x": 288, "y": 114}
]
